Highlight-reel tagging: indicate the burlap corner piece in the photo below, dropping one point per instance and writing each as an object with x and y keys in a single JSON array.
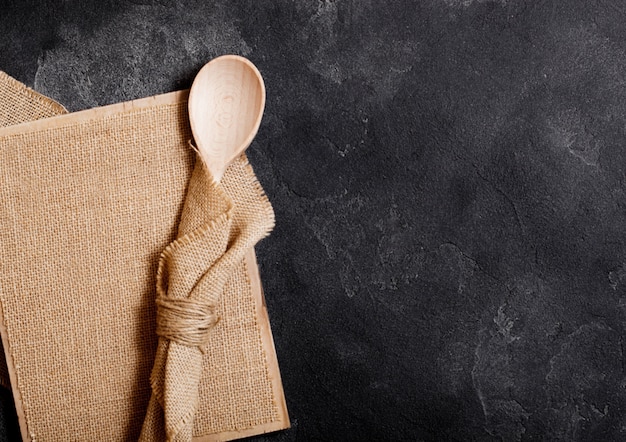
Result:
[
  {"x": 19, "y": 103},
  {"x": 90, "y": 202}
]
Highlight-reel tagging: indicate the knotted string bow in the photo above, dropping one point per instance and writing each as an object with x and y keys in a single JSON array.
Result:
[{"x": 219, "y": 223}]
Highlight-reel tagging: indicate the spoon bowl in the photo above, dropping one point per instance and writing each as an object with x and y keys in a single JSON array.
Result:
[{"x": 226, "y": 104}]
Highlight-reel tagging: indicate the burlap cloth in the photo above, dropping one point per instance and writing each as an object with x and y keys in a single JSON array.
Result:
[
  {"x": 18, "y": 104},
  {"x": 92, "y": 211}
]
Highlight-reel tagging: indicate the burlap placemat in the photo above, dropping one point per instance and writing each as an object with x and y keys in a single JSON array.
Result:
[
  {"x": 18, "y": 104},
  {"x": 90, "y": 201}
]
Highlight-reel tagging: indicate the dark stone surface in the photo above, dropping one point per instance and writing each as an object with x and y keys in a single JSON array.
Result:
[{"x": 449, "y": 180}]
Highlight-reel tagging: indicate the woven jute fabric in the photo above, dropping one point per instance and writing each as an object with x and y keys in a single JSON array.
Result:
[
  {"x": 218, "y": 224},
  {"x": 18, "y": 104},
  {"x": 91, "y": 212}
]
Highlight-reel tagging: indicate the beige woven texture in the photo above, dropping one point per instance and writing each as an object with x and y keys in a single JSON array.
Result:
[
  {"x": 218, "y": 224},
  {"x": 88, "y": 209},
  {"x": 18, "y": 104}
]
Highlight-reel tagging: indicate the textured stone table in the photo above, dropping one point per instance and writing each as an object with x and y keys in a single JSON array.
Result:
[{"x": 449, "y": 180}]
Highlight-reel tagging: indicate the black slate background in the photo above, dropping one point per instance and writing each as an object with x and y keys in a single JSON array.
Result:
[{"x": 449, "y": 180}]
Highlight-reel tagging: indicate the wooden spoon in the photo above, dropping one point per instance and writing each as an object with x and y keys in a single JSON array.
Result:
[{"x": 226, "y": 105}]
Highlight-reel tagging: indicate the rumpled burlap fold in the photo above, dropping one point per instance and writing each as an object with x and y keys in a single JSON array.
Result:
[{"x": 218, "y": 224}]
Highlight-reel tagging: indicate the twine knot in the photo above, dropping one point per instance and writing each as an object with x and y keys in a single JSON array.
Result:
[{"x": 185, "y": 321}]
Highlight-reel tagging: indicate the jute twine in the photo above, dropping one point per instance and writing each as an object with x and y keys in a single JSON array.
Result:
[{"x": 185, "y": 321}]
